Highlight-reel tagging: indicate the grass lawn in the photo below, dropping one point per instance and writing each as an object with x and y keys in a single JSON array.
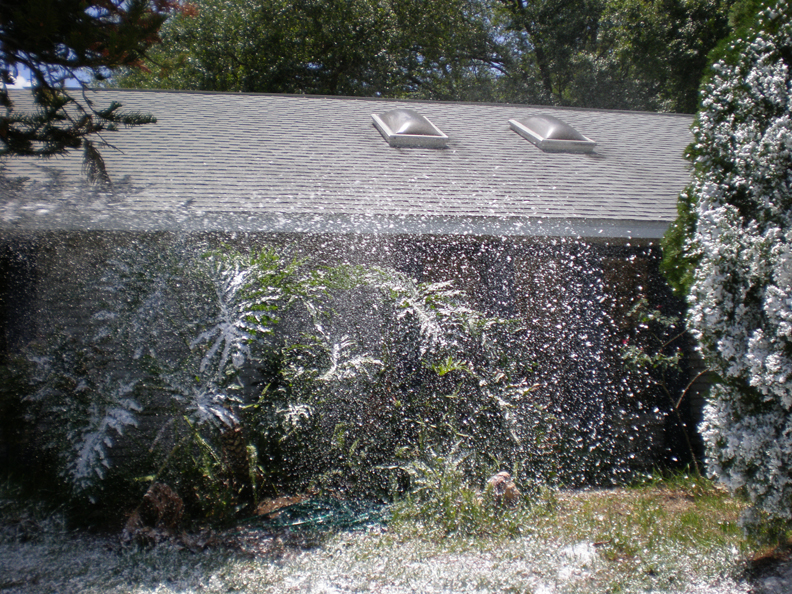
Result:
[{"x": 676, "y": 536}]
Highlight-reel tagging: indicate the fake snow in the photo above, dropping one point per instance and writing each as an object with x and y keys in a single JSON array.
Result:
[{"x": 375, "y": 561}]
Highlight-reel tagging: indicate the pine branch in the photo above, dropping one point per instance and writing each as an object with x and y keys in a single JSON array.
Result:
[{"x": 77, "y": 39}]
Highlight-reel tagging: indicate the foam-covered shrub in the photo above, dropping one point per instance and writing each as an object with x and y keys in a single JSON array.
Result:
[
  {"x": 221, "y": 372},
  {"x": 740, "y": 301}
]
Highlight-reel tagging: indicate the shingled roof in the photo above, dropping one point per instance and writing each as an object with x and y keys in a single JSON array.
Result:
[{"x": 285, "y": 163}]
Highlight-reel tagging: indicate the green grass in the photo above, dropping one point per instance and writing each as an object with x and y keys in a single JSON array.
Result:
[
  {"x": 628, "y": 521},
  {"x": 658, "y": 536}
]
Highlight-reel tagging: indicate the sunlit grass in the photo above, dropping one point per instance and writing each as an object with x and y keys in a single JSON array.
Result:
[
  {"x": 664, "y": 535},
  {"x": 626, "y": 521}
]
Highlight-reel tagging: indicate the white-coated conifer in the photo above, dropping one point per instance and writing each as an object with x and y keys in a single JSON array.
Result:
[{"x": 741, "y": 298}]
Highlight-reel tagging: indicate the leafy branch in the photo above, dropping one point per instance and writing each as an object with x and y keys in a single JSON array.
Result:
[{"x": 659, "y": 357}]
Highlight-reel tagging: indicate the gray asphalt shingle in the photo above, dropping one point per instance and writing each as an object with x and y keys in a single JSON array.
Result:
[{"x": 300, "y": 163}]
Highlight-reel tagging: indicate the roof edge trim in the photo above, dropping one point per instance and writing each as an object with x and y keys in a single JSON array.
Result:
[{"x": 120, "y": 219}]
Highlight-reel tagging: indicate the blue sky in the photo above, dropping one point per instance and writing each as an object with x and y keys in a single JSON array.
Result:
[{"x": 22, "y": 79}]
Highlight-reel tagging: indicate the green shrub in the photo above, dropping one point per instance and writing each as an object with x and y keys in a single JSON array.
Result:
[
  {"x": 234, "y": 376},
  {"x": 444, "y": 498}
]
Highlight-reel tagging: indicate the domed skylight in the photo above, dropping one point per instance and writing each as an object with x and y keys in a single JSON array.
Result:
[
  {"x": 552, "y": 135},
  {"x": 406, "y": 127}
]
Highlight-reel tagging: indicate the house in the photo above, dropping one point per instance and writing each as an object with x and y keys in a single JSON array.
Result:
[
  {"x": 307, "y": 164},
  {"x": 560, "y": 232}
]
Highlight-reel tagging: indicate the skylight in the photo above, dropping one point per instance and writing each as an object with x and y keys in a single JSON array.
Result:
[
  {"x": 552, "y": 135},
  {"x": 406, "y": 127}
]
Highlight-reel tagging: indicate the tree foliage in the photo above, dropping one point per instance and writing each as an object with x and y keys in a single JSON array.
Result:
[
  {"x": 589, "y": 53},
  {"x": 613, "y": 54},
  {"x": 738, "y": 210},
  {"x": 546, "y": 37},
  {"x": 337, "y": 47},
  {"x": 656, "y": 52},
  {"x": 60, "y": 41}
]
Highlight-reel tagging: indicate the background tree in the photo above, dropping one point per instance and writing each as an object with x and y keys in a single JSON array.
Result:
[
  {"x": 392, "y": 48},
  {"x": 736, "y": 232},
  {"x": 60, "y": 41},
  {"x": 616, "y": 54},
  {"x": 620, "y": 54},
  {"x": 545, "y": 37},
  {"x": 656, "y": 51}
]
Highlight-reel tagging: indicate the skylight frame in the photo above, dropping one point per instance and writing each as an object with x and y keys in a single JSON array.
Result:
[
  {"x": 410, "y": 140},
  {"x": 552, "y": 145}
]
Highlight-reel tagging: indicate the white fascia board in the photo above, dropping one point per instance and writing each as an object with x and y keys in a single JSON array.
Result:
[
  {"x": 192, "y": 221},
  {"x": 410, "y": 140}
]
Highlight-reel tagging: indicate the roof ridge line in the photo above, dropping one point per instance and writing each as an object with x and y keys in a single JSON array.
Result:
[{"x": 391, "y": 99}]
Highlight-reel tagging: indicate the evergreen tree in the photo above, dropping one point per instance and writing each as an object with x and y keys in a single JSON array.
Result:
[
  {"x": 70, "y": 41},
  {"x": 737, "y": 233}
]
